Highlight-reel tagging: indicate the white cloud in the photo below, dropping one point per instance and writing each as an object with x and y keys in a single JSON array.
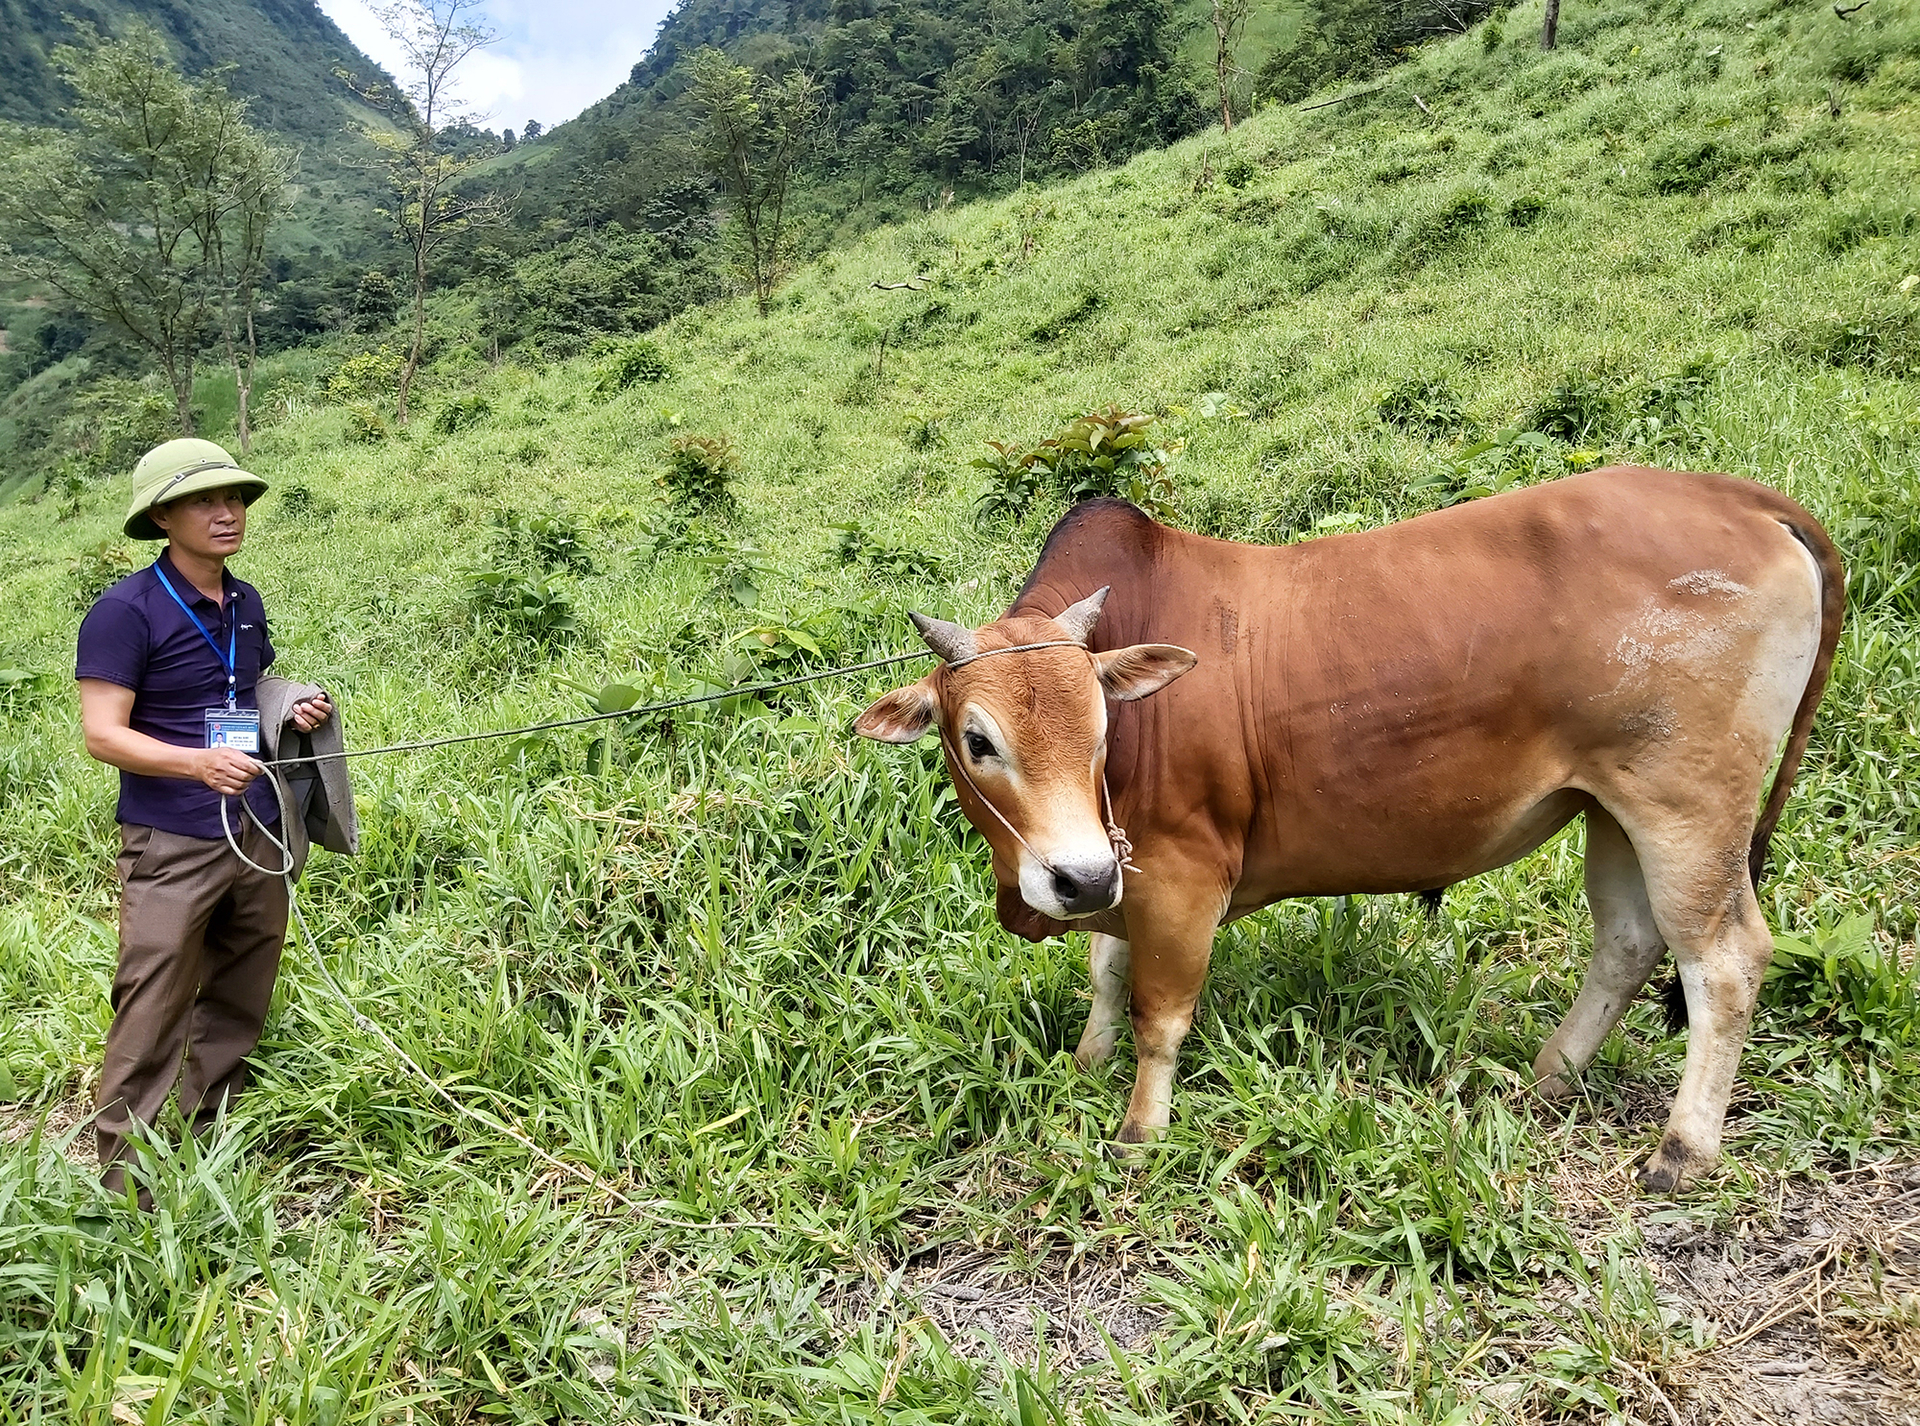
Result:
[{"x": 553, "y": 57}]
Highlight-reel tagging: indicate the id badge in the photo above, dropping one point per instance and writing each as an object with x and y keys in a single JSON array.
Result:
[{"x": 236, "y": 728}]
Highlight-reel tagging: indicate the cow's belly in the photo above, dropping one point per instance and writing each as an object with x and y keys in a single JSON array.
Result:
[{"x": 1416, "y": 844}]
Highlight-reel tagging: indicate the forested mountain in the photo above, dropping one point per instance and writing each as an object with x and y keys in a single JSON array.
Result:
[
  {"x": 282, "y": 55},
  {"x": 927, "y": 100},
  {"x": 615, "y": 222}
]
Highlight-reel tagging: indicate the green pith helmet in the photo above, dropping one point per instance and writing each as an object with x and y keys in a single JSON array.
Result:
[{"x": 179, "y": 468}]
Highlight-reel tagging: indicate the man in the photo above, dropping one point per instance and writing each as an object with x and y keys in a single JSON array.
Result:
[{"x": 168, "y": 662}]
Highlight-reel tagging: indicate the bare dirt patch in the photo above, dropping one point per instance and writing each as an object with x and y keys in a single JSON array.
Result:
[
  {"x": 18, "y": 1122},
  {"x": 1814, "y": 1310},
  {"x": 1806, "y": 1307}
]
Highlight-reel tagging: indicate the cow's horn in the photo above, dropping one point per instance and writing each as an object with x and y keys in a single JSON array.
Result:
[
  {"x": 1078, "y": 619},
  {"x": 948, "y": 641}
]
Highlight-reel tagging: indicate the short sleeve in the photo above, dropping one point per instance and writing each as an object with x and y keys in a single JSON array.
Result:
[
  {"x": 267, "y": 654},
  {"x": 115, "y": 639}
]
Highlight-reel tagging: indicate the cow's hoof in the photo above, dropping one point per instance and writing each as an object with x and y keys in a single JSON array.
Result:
[
  {"x": 1666, "y": 1171},
  {"x": 1554, "y": 1088},
  {"x": 1130, "y": 1143},
  {"x": 1091, "y": 1057}
]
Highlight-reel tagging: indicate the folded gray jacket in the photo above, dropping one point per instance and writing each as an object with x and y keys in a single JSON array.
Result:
[{"x": 321, "y": 795}]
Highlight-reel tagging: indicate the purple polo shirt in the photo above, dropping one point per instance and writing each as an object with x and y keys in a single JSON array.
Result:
[{"x": 136, "y": 636}]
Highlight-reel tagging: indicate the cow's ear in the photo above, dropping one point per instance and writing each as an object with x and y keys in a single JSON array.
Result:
[
  {"x": 1135, "y": 672},
  {"x": 902, "y": 716}
]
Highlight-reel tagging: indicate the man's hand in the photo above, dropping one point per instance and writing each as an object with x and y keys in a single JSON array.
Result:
[
  {"x": 225, "y": 769},
  {"x": 310, "y": 713}
]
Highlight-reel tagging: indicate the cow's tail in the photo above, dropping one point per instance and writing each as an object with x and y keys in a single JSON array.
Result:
[{"x": 1833, "y": 604}]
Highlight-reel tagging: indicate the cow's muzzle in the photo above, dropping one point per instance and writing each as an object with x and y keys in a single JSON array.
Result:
[{"x": 1083, "y": 888}]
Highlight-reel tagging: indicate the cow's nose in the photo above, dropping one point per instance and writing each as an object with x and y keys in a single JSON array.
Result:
[{"x": 1086, "y": 889}]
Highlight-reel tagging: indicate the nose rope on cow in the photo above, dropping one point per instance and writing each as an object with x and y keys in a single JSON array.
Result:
[{"x": 1116, "y": 834}]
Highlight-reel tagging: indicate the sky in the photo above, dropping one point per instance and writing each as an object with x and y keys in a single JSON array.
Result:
[{"x": 553, "y": 57}]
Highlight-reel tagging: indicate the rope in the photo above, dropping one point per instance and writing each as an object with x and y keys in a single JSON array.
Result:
[
  {"x": 372, "y": 1027},
  {"x": 1122, "y": 848},
  {"x": 747, "y": 691}
]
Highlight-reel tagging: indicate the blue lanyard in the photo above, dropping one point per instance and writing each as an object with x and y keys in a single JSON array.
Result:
[{"x": 227, "y": 660}]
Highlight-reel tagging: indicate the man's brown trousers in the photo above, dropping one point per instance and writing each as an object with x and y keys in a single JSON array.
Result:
[{"x": 200, "y": 938}]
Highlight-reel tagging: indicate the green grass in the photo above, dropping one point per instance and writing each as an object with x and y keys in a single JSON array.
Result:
[{"x": 748, "y": 972}]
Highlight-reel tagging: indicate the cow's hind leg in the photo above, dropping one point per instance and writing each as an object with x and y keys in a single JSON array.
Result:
[
  {"x": 1706, "y": 909},
  {"x": 1107, "y": 969},
  {"x": 1627, "y": 945}
]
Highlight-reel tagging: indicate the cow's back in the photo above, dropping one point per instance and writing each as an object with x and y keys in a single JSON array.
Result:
[{"x": 1455, "y": 672}]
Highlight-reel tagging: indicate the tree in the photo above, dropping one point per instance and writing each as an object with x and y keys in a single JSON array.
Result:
[
  {"x": 151, "y": 213},
  {"x": 234, "y": 235},
  {"x": 1550, "y": 26},
  {"x": 754, "y": 133},
  {"x": 433, "y": 41},
  {"x": 1229, "y": 22},
  {"x": 531, "y": 130}
]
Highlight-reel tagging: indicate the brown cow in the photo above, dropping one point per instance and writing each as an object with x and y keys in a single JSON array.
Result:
[{"x": 1393, "y": 711}]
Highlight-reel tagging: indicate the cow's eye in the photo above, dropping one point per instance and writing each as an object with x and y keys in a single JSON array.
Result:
[{"x": 978, "y": 748}]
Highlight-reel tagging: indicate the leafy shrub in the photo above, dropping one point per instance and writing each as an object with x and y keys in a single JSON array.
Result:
[
  {"x": 780, "y": 647},
  {"x": 666, "y": 531},
  {"x": 635, "y": 362},
  {"x": 1102, "y": 453},
  {"x": 738, "y": 572},
  {"x": 94, "y": 572},
  {"x": 298, "y": 502},
  {"x": 856, "y": 545},
  {"x": 1578, "y": 407},
  {"x": 1422, "y": 404},
  {"x": 110, "y": 423},
  {"x": 365, "y": 379},
  {"x": 700, "y": 472},
  {"x": 923, "y": 433},
  {"x": 1841, "y": 983},
  {"x": 548, "y": 540},
  {"x": 365, "y": 425},
  {"x": 1525, "y": 210},
  {"x": 1239, "y": 172},
  {"x": 1015, "y": 478},
  {"x": 612, "y": 282},
  {"x": 612, "y": 698},
  {"x": 462, "y": 413},
  {"x": 376, "y": 301},
  {"x": 1509, "y": 458},
  {"x": 1667, "y": 407},
  {"x": 537, "y": 607}
]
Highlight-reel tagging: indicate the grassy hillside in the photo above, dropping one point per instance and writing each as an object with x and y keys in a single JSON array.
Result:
[{"x": 745, "y": 967}]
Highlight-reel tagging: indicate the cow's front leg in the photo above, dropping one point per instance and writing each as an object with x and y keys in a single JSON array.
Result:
[
  {"x": 1107, "y": 970},
  {"x": 1168, "y": 960}
]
